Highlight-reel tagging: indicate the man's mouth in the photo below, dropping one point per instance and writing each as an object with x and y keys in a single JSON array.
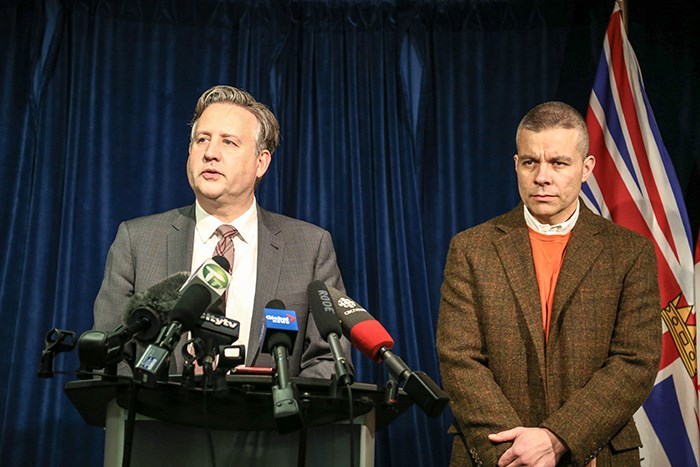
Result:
[
  {"x": 543, "y": 197},
  {"x": 210, "y": 174}
]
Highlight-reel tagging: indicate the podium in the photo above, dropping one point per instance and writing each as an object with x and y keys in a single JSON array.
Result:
[{"x": 172, "y": 424}]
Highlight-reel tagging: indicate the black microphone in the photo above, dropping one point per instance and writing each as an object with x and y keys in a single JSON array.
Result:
[
  {"x": 203, "y": 288},
  {"x": 328, "y": 324},
  {"x": 215, "y": 334},
  {"x": 144, "y": 315},
  {"x": 370, "y": 337},
  {"x": 281, "y": 329}
]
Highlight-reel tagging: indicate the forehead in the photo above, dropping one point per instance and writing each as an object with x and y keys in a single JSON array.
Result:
[
  {"x": 552, "y": 141},
  {"x": 227, "y": 118}
]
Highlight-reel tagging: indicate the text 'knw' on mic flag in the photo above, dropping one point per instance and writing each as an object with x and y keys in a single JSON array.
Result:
[{"x": 634, "y": 184}]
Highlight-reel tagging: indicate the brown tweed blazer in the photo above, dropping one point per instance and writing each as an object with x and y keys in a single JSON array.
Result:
[{"x": 604, "y": 346}]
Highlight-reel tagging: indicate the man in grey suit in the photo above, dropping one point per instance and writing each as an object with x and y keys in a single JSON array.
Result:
[
  {"x": 232, "y": 140},
  {"x": 549, "y": 334}
]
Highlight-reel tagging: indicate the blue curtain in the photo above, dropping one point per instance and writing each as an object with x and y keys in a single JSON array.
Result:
[{"x": 397, "y": 123}]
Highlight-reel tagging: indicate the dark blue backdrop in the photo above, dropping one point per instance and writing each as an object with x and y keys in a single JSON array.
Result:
[{"x": 397, "y": 119}]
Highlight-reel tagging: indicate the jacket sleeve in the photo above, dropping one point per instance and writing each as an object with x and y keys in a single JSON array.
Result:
[
  {"x": 594, "y": 414},
  {"x": 477, "y": 401},
  {"x": 317, "y": 360},
  {"x": 117, "y": 286}
]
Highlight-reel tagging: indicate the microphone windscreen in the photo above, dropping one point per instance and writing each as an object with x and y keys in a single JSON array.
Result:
[
  {"x": 193, "y": 302},
  {"x": 160, "y": 298},
  {"x": 279, "y": 321},
  {"x": 369, "y": 337},
  {"x": 323, "y": 310},
  {"x": 277, "y": 339},
  {"x": 275, "y": 304},
  {"x": 221, "y": 261}
]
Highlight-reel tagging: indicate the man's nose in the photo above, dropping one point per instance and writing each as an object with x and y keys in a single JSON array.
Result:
[
  {"x": 211, "y": 152},
  {"x": 543, "y": 174}
]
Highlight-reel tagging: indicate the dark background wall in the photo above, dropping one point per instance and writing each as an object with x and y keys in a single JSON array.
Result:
[{"x": 397, "y": 118}]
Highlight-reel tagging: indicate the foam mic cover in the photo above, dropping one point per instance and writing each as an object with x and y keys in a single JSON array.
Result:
[
  {"x": 322, "y": 309},
  {"x": 213, "y": 276},
  {"x": 366, "y": 333},
  {"x": 187, "y": 311},
  {"x": 281, "y": 326},
  {"x": 153, "y": 305}
]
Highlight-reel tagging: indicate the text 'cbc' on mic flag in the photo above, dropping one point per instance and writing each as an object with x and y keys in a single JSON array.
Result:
[{"x": 634, "y": 184}]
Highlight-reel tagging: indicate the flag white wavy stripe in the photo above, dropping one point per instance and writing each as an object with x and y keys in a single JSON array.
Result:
[
  {"x": 681, "y": 267},
  {"x": 601, "y": 208},
  {"x": 650, "y": 444},
  {"x": 663, "y": 184},
  {"x": 642, "y": 201}
]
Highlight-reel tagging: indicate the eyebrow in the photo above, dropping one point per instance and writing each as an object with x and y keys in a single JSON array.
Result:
[
  {"x": 223, "y": 135},
  {"x": 561, "y": 158}
]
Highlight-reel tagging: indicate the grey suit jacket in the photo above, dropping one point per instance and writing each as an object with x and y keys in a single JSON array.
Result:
[
  {"x": 600, "y": 360},
  {"x": 291, "y": 254}
]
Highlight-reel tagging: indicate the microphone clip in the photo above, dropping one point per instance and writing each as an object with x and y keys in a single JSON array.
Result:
[
  {"x": 57, "y": 341},
  {"x": 391, "y": 391}
]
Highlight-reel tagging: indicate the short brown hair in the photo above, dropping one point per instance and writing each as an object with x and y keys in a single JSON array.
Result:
[
  {"x": 550, "y": 115},
  {"x": 268, "y": 136}
]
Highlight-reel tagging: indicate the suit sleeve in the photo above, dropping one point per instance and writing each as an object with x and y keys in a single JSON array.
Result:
[
  {"x": 117, "y": 286},
  {"x": 595, "y": 413},
  {"x": 478, "y": 403},
  {"x": 317, "y": 360}
]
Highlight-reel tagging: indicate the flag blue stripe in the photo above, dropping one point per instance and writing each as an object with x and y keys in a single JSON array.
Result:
[
  {"x": 591, "y": 197},
  {"x": 603, "y": 92},
  {"x": 665, "y": 415}
]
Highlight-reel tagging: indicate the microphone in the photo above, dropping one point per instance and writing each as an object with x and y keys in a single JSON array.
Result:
[
  {"x": 370, "y": 338},
  {"x": 281, "y": 330},
  {"x": 216, "y": 333},
  {"x": 213, "y": 276},
  {"x": 144, "y": 315},
  {"x": 323, "y": 311},
  {"x": 201, "y": 290}
]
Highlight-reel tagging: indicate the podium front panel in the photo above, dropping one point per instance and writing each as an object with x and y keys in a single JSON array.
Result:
[{"x": 156, "y": 442}]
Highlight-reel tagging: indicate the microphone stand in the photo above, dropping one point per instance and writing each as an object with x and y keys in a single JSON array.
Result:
[{"x": 130, "y": 424}]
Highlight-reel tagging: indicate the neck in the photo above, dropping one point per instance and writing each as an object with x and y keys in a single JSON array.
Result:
[{"x": 226, "y": 212}]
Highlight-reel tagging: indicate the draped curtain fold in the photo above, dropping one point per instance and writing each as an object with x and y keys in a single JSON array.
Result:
[{"x": 397, "y": 123}]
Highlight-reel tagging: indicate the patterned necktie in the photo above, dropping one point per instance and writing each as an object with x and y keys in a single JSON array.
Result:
[{"x": 225, "y": 246}]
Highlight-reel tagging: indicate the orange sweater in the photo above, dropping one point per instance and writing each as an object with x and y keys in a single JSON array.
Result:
[{"x": 548, "y": 254}]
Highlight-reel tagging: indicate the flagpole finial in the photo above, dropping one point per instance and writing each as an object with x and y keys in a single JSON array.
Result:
[{"x": 623, "y": 10}]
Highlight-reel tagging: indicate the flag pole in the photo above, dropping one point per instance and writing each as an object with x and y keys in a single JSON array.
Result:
[{"x": 623, "y": 9}]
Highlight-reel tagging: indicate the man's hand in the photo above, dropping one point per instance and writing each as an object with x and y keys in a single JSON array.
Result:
[{"x": 531, "y": 447}]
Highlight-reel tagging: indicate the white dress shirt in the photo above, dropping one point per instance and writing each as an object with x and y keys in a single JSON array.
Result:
[
  {"x": 556, "y": 229},
  {"x": 241, "y": 290}
]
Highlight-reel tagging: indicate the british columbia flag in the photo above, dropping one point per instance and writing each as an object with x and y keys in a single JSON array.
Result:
[{"x": 634, "y": 184}]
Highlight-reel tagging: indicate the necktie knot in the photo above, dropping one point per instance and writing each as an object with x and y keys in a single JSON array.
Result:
[{"x": 226, "y": 231}]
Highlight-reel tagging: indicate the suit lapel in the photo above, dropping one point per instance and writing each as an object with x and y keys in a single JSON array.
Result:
[
  {"x": 270, "y": 254},
  {"x": 581, "y": 252},
  {"x": 179, "y": 240},
  {"x": 515, "y": 254}
]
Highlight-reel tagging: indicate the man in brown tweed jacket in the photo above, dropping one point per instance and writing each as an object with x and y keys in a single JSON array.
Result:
[{"x": 549, "y": 334}]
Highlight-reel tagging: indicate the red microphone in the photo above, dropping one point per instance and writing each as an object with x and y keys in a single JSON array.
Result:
[
  {"x": 369, "y": 337},
  {"x": 366, "y": 333}
]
